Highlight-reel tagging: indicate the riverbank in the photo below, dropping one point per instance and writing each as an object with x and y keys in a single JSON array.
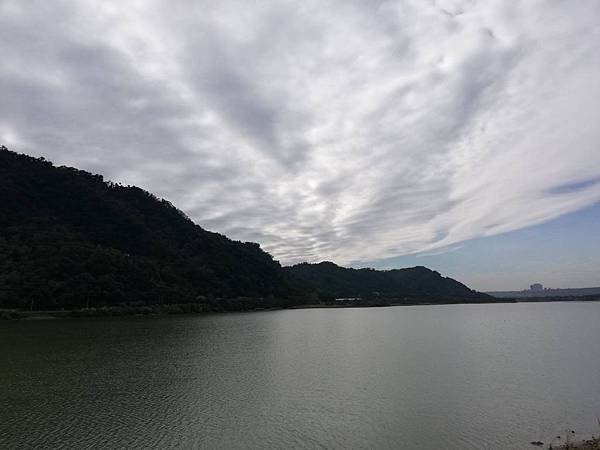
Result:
[
  {"x": 225, "y": 305},
  {"x": 116, "y": 311},
  {"x": 588, "y": 444},
  {"x": 239, "y": 305}
]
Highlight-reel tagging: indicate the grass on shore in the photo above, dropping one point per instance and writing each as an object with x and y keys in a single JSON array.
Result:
[{"x": 585, "y": 444}]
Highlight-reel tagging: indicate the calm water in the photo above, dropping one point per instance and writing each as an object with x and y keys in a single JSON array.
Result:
[{"x": 423, "y": 377}]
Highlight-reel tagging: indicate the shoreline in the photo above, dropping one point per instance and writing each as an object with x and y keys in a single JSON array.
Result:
[
  {"x": 203, "y": 309},
  {"x": 585, "y": 444}
]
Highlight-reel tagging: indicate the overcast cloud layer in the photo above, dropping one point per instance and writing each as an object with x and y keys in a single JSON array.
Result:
[{"x": 339, "y": 130}]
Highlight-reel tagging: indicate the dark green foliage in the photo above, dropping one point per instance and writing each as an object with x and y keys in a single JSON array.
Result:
[
  {"x": 410, "y": 285},
  {"x": 69, "y": 239}
]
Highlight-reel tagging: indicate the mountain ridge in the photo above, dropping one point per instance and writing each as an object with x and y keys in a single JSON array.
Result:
[
  {"x": 332, "y": 281},
  {"x": 70, "y": 239}
]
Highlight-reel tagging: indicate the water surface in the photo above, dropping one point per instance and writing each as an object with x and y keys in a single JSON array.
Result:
[{"x": 424, "y": 377}]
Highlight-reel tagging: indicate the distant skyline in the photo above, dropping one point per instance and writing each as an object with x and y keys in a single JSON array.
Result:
[{"x": 459, "y": 135}]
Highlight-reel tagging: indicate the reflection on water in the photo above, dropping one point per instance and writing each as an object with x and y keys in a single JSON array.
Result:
[{"x": 430, "y": 377}]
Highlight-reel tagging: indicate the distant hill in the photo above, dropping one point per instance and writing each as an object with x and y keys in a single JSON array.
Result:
[
  {"x": 69, "y": 239},
  {"x": 413, "y": 284},
  {"x": 547, "y": 293}
]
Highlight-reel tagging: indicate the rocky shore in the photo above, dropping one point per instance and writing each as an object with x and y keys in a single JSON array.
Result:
[
  {"x": 567, "y": 442},
  {"x": 588, "y": 444}
]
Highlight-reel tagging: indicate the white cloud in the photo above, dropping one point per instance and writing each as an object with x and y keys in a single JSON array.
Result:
[{"x": 321, "y": 129}]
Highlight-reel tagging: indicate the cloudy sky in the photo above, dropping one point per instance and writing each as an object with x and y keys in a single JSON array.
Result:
[{"x": 381, "y": 133}]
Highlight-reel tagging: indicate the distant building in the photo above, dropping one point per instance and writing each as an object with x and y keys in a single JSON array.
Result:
[{"x": 536, "y": 287}]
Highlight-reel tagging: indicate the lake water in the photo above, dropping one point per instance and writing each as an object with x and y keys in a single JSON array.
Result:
[{"x": 423, "y": 377}]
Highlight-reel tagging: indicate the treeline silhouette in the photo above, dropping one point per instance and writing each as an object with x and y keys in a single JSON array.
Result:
[
  {"x": 410, "y": 285},
  {"x": 69, "y": 239}
]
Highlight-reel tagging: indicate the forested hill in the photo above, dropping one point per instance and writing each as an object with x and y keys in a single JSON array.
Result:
[
  {"x": 70, "y": 239},
  {"x": 414, "y": 284}
]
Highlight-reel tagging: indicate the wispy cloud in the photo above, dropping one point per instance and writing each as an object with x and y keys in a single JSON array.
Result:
[
  {"x": 575, "y": 186},
  {"x": 341, "y": 130}
]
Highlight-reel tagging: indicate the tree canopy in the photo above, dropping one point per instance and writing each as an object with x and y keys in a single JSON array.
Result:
[{"x": 69, "y": 239}]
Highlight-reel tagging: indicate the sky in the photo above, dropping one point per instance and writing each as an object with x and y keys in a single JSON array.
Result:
[
  {"x": 461, "y": 134},
  {"x": 560, "y": 253}
]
